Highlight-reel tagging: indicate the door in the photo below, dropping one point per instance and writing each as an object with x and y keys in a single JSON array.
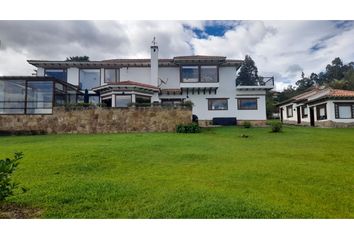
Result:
[
  {"x": 312, "y": 117},
  {"x": 298, "y": 110},
  {"x": 281, "y": 114}
]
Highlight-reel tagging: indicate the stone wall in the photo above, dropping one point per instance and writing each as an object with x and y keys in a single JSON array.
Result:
[{"x": 99, "y": 120}]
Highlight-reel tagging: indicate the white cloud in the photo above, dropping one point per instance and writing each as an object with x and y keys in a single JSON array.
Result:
[{"x": 279, "y": 48}]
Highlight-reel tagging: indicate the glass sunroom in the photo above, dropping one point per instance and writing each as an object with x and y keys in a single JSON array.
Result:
[{"x": 35, "y": 95}]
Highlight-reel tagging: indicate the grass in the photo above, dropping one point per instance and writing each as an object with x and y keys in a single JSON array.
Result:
[{"x": 300, "y": 173}]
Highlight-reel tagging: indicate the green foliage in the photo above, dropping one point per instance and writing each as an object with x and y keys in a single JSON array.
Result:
[
  {"x": 188, "y": 128},
  {"x": 78, "y": 59},
  {"x": 275, "y": 125},
  {"x": 188, "y": 104},
  {"x": 304, "y": 83},
  {"x": 248, "y": 74},
  {"x": 80, "y": 105},
  {"x": 7, "y": 167},
  {"x": 247, "y": 124}
]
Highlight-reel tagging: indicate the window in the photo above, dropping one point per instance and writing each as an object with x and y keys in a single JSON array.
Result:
[
  {"x": 142, "y": 100},
  {"x": 12, "y": 97},
  {"x": 247, "y": 104},
  {"x": 39, "y": 97},
  {"x": 217, "y": 104},
  {"x": 123, "y": 100},
  {"x": 190, "y": 73},
  {"x": 60, "y": 74},
  {"x": 89, "y": 78},
  {"x": 171, "y": 102},
  {"x": 304, "y": 111},
  {"x": 208, "y": 73},
  {"x": 321, "y": 112},
  {"x": 289, "y": 111},
  {"x": 344, "y": 110},
  {"x": 111, "y": 75}
]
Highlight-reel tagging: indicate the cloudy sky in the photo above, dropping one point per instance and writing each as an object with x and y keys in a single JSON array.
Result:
[{"x": 282, "y": 49}]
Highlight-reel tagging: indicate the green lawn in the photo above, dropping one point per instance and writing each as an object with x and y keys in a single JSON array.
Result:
[{"x": 300, "y": 173}]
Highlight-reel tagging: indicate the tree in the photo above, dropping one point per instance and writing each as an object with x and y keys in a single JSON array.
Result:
[
  {"x": 304, "y": 83},
  {"x": 248, "y": 75},
  {"x": 287, "y": 93},
  {"x": 78, "y": 59}
]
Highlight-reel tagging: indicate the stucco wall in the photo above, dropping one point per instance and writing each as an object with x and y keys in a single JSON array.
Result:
[{"x": 99, "y": 120}]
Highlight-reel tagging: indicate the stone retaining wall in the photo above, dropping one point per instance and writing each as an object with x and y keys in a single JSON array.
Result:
[{"x": 99, "y": 120}]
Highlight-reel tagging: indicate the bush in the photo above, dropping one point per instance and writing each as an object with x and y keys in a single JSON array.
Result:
[
  {"x": 247, "y": 124},
  {"x": 188, "y": 104},
  {"x": 7, "y": 167},
  {"x": 187, "y": 128},
  {"x": 275, "y": 125}
]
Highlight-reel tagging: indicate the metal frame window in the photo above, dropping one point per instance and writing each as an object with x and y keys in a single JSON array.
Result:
[
  {"x": 304, "y": 111},
  {"x": 321, "y": 112},
  {"x": 199, "y": 73},
  {"x": 123, "y": 101},
  {"x": 344, "y": 110},
  {"x": 60, "y": 74},
  {"x": 217, "y": 104},
  {"x": 247, "y": 104},
  {"x": 89, "y": 78},
  {"x": 289, "y": 111},
  {"x": 111, "y": 75}
]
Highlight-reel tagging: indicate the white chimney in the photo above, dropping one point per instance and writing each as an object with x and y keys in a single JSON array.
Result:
[{"x": 154, "y": 62}]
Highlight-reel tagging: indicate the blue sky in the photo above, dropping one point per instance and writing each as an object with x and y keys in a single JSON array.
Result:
[{"x": 282, "y": 49}]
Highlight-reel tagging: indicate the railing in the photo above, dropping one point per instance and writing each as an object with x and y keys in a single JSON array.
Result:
[{"x": 261, "y": 81}]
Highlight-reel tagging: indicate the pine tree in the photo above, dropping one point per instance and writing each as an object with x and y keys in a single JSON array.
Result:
[{"x": 248, "y": 74}]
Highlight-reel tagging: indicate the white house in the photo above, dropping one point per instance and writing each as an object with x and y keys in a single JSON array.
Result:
[
  {"x": 207, "y": 81},
  {"x": 324, "y": 107}
]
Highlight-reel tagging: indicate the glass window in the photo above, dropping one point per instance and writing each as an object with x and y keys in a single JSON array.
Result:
[
  {"x": 345, "y": 111},
  {"x": 60, "y": 74},
  {"x": 304, "y": 111},
  {"x": 321, "y": 112},
  {"x": 143, "y": 100},
  {"x": 190, "y": 73},
  {"x": 289, "y": 111},
  {"x": 111, "y": 75},
  {"x": 90, "y": 78},
  {"x": 12, "y": 96},
  {"x": 208, "y": 74},
  {"x": 247, "y": 103},
  {"x": 123, "y": 100},
  {"x": 217, "y": 104},
  {"x": 39, "y": 97},
  {"x": 171, "y": 102}
]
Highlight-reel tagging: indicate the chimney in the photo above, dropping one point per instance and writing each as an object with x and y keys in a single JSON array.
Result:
[{"x": 154, "y": 64}]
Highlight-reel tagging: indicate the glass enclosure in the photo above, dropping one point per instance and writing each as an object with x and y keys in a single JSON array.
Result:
[
  {"x": 60, "y": 74},
  {"x": 89, "y": 78}
]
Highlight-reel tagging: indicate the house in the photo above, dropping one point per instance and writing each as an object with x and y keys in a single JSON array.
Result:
[
  {"x": 324, "y": 107},
  {"x": 207, "y": 81}
]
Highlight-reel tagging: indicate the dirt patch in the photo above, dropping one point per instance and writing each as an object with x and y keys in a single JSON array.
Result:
[{"x": 17, "y": 211}]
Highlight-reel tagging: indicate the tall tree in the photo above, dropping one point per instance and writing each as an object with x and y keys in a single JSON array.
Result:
[
  {"x": 248, "y": 74},
  {"x": 304, "y": 83},
  {"x": 78, "y": 59}
]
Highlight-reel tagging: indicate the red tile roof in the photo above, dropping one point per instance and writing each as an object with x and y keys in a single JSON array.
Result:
[{"x": 340, "y": 93}]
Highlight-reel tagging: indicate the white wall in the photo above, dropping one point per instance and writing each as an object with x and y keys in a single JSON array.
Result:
[
  {"x": 331, "y": 111},
  {"x": 40, "y": 71},
  {"x": 136, "y": 74}
]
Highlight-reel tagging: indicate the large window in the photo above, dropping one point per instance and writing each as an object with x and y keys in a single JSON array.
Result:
[
  {"x": 208, "y": 73},
  {"x": 90, "y": 78},
  {"x": 344, "y": 110},
  {"x": 60, "y": 74},
  {"x": 289, "y": 111},
  {"x": 217, "y": 104},
  {"x": 111, "y": 75},
  {"x": 142, "y": 100},
  {"x": 304, "y": 111},
  {"x": 192, "y": 74},
  {"x": 321, "y": 112},
  {"x": 12, "y": 97},
  {"x": 247, "y": 103},
  {"x": 39, "y": 97},
  {"x": 123, "y": 100}
]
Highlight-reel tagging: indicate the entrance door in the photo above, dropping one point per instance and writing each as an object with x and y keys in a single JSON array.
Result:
[
  {"x": 281, "y": 114},
  {"x": 312, "y": 117},
  {"x": 298, "y": 110}
]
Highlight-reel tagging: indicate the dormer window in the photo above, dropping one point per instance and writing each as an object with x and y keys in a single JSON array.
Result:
[{"x": 199, "y": 73}]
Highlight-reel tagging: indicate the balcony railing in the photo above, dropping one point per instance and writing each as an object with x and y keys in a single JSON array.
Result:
[{"x": 261, "y": 81}]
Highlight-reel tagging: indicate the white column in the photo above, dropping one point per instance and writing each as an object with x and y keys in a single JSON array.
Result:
[
  {"x": 133, "y": 98},
  {"x": 154, "y": 66},
  {"x": 113, "y": 100}
]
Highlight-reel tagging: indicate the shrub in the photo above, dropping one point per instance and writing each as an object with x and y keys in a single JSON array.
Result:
[
  {"x": 188, "y": 104},
  {"x": 7, "y": 167},
  {"x": 247, "y": 124},
  {"x": 187, "y": 128},
  {"x": 275, "y": 125}
]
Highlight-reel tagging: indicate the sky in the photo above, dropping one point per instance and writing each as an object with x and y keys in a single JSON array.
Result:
[{"x": 282, "y": 49}]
